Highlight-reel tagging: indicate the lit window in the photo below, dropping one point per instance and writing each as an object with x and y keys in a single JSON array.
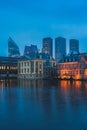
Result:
[{"x": 7, "y": 67}]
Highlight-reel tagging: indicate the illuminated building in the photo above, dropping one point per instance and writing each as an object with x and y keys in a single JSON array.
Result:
[
  {"x": 13, "y": 49},
  {"x": 48, "y": 46},
  {"x": 38, "y": 67},
  {"x": 73, "y": 67},
  {"x": 8, "y": 67},
  {"x": 74, "y": 46},
  {"x": 60, "y": 48}
]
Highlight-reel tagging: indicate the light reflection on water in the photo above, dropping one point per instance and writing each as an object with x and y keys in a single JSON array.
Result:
[{"x": 43, "y": 105}]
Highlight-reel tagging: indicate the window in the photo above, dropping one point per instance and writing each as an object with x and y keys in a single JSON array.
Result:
[
  {"x": 27, "y": 63},
  {"x": 32, "y": 66},
  {"x": 7, "y": 67},
  {"x": 25, "y": 70},
  {"x": 28, "y": 70},
  {"x": 40, "y": 65},
  {"x": 21, "y": 70},
  {"x": 24, "y": 63}
]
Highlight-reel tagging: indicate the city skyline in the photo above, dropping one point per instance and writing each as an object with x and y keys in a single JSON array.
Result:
[{"x": 28, "y": 22}]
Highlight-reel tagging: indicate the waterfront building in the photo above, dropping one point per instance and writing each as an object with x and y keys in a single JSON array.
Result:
[
  {"x": 31, "y": 69},
  {"x": 60, "y": 48},
  {"x": 30, "y": 49},
  {"x": 74, "y": 46},
  {"x": 13, "y": 49},
  {"x": 8, "y": 67},
  {"x": 48, "y": 46},
  {"x": 73, "y": 67},
  {"x": 38, "y": 67}
]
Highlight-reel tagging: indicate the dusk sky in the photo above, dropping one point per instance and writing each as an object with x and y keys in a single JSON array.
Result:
[{"x": 28, "y": 21}]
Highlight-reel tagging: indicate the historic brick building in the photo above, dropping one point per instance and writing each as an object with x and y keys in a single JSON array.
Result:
[{"x": 73, "y": 67}]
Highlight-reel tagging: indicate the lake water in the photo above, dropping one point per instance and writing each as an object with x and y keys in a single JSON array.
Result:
[{"x": 43, "y": 105}]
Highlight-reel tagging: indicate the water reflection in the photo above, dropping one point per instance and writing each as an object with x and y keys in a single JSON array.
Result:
[
  {"x": 43, "y": 104},
  {"x": 30, "y": 83},
  {"x": 8, "y": 83}
]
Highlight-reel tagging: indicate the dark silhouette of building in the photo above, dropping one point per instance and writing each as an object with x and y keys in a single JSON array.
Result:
[
  {"x": 48, "y": 46},
  {"x": 13, "y": 49},
  {"x": 74, "y": 46},
  {"x": 60, "y": 48},
  {"x": 30, "y": 49}
]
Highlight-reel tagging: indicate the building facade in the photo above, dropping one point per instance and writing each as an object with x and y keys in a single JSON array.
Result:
[
  {"x": 30, "y": 49},
  {"x": 8, "y": 67},
  {"x": 48, "y": 46},
  {"x": 13, "y": 49},
  {"x": 60, "y": 48},
  {"x": 73, "y": 67},
  {"x": 39, "y": 67},
  {"x": 31, "y": 69},
  {"x": 74, "y": 46}
]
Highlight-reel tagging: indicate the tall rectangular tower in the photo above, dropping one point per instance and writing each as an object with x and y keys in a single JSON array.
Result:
[
  {"x": 74, "y": 46},
  {"x": 48, "y": 46},
  {"x": 60, "y": 48}
]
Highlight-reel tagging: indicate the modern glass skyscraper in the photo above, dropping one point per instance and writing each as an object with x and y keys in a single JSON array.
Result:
[
  {"x": 74, "y": 46},
  {"x": 60, "y": 48},
  {"x": 48, "y": 46},
  {"x": 30, "y": 49},
  {"x": 13, "y": 49}
]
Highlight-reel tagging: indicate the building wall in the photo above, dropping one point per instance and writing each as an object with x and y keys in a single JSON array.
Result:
[
  {"x": 74, "y": 46},
  {"x": 50, "y": 71},
  {"x": 48, "y": 46},
  {"x": 31, "y": 69},
  {"x": 36, "y": 69},
  {"x": 70, "y": 70},
  {"x": 8, "y": 67},
  {"x": 60, "y": 48},
  {"x": 13, "y": 49},
  {"x": 30, "y": 49}
]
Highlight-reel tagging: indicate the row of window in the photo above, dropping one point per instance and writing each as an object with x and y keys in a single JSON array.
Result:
[
  {"x": 70, "y": 60},
  {"x": 8, "y": 67},
  {"x": 70, "y": 72},
  {"x": 28, "y": 64},
  {"x": 23, "y": 64},
  {"x": 69, "y": 66},
  {"x": 26, "y": 70}
]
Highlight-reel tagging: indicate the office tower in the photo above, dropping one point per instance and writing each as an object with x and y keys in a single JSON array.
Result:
[
  {"x": 13, "y": 49},
  {"x": 30, "y": 49},
  {"x": 60, "y": 48},
  {"x": 74, "y": 46},
  {"x": 48, "y": 46}
]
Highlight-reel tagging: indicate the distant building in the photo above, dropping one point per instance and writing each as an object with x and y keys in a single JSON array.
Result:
[
  {"x": 13, "y": 49},
  {"x": 74, "y": 46},
  {"x": 30, "y": 49},
  {"x": 48, "y": 46},
  {"x": 60, "y": 48}
]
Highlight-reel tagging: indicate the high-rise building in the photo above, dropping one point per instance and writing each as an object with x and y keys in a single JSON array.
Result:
[
  {"x": 30, "y": 49},
  {"x": 74, "y": 46},
  {"x": 13, "y": 49},
  {"x": 48, "y": 46},
  {"x": 60, "y": 48}
]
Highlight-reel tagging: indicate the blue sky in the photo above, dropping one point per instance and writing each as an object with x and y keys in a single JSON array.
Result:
[{"x": 28, "y": 21}]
